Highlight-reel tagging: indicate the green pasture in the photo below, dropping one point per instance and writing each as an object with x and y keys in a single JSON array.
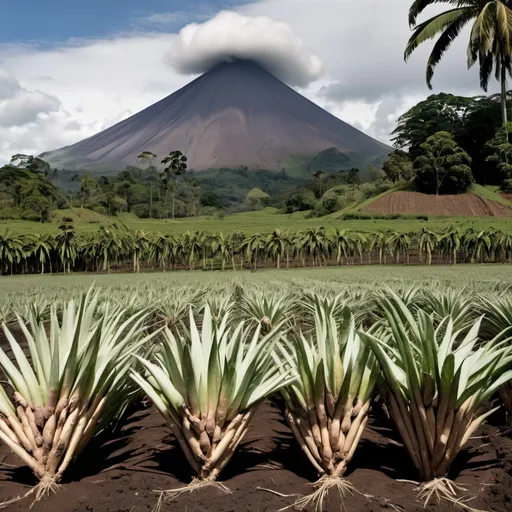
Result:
[{"x": 264, "y": 221}]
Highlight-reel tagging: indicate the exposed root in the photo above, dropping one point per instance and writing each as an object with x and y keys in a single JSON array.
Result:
[
  {"x": 444, "y": 489},
  {"x": 196, "y": 484},
  {"x": 44, "y": 489},
  {"x": 322, "y": 489},
  {"x": 17, "y": 498}
]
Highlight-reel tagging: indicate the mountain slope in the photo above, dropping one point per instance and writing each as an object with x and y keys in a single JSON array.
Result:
[{"x": 235, "y": 115}]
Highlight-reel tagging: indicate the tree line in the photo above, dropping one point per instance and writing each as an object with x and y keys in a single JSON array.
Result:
[{"x": 113, "y": 248}]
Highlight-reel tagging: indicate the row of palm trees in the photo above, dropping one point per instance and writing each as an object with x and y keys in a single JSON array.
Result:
[{"x": 122, "y": 249}]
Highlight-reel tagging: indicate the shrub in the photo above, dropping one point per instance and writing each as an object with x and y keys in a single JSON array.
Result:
[
  {"x": 506, "y": 186},
  {"x": 368, "y": 190}
]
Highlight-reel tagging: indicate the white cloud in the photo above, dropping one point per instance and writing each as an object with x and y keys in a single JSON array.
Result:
[
  {"x": 231, "y": 35},
  {"x": 101, "y": 81},
  {"x": 20, "y": 107}
]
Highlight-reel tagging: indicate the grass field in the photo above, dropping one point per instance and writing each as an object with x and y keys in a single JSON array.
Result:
[
  {"x": 478, "y": 277},
  {"x": 250, "y": 222}
]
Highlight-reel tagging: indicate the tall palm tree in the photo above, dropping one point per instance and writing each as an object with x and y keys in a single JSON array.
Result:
[
  {"x": 110, "y": 245},
  {"x": 67, "y": 246},
  {"x": 342, "y": 243},
  {"x": 450, "y": 241},
  {"x": 490, "y": 40},
  {"x": 427, "y": 242},
  {"x": 253, "y": 247},
  {"x": 276, "y": 246},
  {"x": 42, "y": 246},
  {"x": 316, "y": 244},
  {"x": 10, "y": 250}
]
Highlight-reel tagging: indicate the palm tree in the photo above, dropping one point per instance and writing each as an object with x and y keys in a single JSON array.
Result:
[
  {"x": 138, "y": 242},
  {"x": 225, "y": 249},
  {"x": 450, "y": 241},
  {"x": 110, "y": 245},
  {"x": 316, "y": 244},
  {"x": 253, "y": 246},
  {"x": 276, "y": 246},
  {"x": 10, "y": 250},
  {"x": 192, "y": 247},
  {"x": 427, "y": 242},
  {"x": 342, "y": 243},
  {"x": 490, "y": 40},
  {"x": 66, "y": 246},
  {"x": 42, "y": 246},
  {"x": 477, "y": 245}
]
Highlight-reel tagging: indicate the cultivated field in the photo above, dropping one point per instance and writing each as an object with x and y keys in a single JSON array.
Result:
[
  {"x": 249, "y": 223},
  {"x": 368, "y": 377},
  {"x": 462, "y": 205}
]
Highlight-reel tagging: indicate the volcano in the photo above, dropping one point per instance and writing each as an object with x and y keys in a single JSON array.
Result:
[{"x": 237, "y": 114}]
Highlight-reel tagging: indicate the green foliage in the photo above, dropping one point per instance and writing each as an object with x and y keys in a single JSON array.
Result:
[
  {"x": 439, "y": 112},
  {"x": 501, "y": 150},
  {"x": 25, "y": 190},
  {"x": 506, "y": 186},
  {"x": 299, "y": 200},
  {"x": 443, "y": 168},
  {"x": 122, "y": 247},
  {"x": 398, "y": 167},
  {"x": 490, "y": 41},
  {"x": 257, "y": 198}
]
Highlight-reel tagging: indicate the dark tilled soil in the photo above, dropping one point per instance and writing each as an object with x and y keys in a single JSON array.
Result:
[{"x": 120, "y": 473}]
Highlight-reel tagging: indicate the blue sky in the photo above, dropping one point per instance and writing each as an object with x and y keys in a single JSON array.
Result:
[{"x": 48, "y": 21}]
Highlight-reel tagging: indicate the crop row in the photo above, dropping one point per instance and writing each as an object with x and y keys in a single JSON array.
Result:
[
  {"x": 436, "y": 359},
  {"x": 113, "y": 248}
]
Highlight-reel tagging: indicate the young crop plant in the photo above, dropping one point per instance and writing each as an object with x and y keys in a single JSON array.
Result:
[
  {"x": 327, "y": 404},
  {"x": 207, "y": 386},
  {"x": 437, "y": 384},
  {"x": 74, "y": 383},
  {"x": 498, "y": 318},
  {"x": 266, "y": 309}
]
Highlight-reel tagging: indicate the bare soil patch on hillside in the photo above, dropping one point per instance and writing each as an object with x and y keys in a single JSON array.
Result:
[
  {"x": 121, "y": 471},
  {"x": 448, "y": 205}
]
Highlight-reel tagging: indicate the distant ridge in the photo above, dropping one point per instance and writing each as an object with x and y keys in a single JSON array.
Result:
[{"x": 235, "y": 115}]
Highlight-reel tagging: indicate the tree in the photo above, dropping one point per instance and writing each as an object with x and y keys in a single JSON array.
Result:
[
  {"x": 175, "y": 165},
  {"x": 87, "y": 183},
  {"x": 490, "y": 39},
  {"x": 319, "y": 188},
  {"x": 300, "y": 200},
  {"x": 10, "y": 250},
  {"x": 66, "y": 246},
  {"x": 42, "y": 246},
  {"x": 491, "y": 44},
  {"x": 443, "y": 168},
  {"x": 276, "y": 246},
  {"x": 398, "y": 166},
  {"x": 439, "y": 112},
  {"x": 38, "y": 204},
  {"x": 32, "y": 163},
  {"x": 256, "y": 198},
  {"x": 501, "y": 151},
  {"x": 147, "y": 158}
]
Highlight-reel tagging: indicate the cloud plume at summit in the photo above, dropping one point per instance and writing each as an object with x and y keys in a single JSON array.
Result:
[{"x": 230, "y": 35}]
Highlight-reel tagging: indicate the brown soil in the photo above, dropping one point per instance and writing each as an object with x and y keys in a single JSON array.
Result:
[
  {"x": 450, "y": 205},
  {"x": 121, "y": 472}
]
